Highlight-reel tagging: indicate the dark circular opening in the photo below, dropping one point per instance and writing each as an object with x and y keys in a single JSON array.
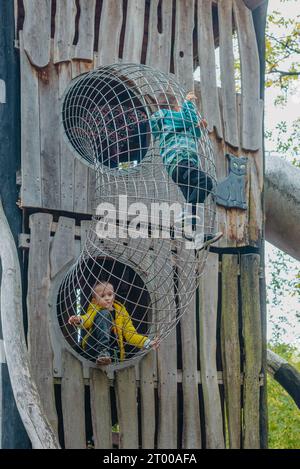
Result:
[{"x": 105, "y": 121}]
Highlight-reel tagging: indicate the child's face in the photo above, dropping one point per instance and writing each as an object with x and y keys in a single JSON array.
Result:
[{"x": 104, "y": 295}]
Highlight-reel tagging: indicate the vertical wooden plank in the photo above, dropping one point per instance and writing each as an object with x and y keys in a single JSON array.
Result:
[
  {"x": 231, "y": 134},
  {"x": 92, "y": 191},
  {"x": 183, "y": 48},
  {"x": 206, "y": 52},
  {"x": 147, "y": 401},
  {"x": 208, "y": 301},
  {"x": 167, "y": 353},
  {"x": 86, "y": 31},
  {"x": 252, "y": 334},
  {"x": 64, "y": 30},
  {"x": 62, "y": 250},
  {"x": 134, "y": 33},
  {"x": 100, "y": 408},
  {"x": 50, "y": 137},
  {"x": 37, "y": 31},
  {"x": 31, "y": 189},
  {"x": 39, "y": 344},
  {"x": 126, "y": 393},
  {"x": 72, "y": 398},
  {"x": 231, "y": 348},
  {"x": 159, "y": 43},
  {"x": 80, "y": 169},
  {"x": 67, "y": 161},
  {"x": 191, "y": 412},
  {"x": 111, "y": 20},
  {"x": 251, "y": 126}
]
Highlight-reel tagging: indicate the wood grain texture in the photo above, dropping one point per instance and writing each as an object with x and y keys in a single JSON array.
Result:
[
  {"x": 67, "y": 160},
  {"x": 231, "y": 348},
  {"x": 183, "y": 47},
  {"x": 134, "y": 32},
  {"x": 159, "y": 44},
  {"x": 208, "y": 302},
  {"x": 231, "y": 134},
  {"x": 31, "y": 188},
  {"x": 64, "y": 30},
  {"x": 126, "y": 393},
  {"x": 26, "y": 392},
  {"x": 191, "y": 437},
  {"x": 250, "y": 75},
  {"x": 84, "y": 48},
  {"x": 252, "y": 335},
  {"x": 101, "y": 409},
  {"x": 39, "y": 343},
  {"x": 72, "y": 398},
  {"x": 37, "y": 31},
  {"x": 50, "y": 137},
  {"x": 206, "y": 53},
  {"x": 147, "y": 400},
  {"x": 111, "y": 20}
]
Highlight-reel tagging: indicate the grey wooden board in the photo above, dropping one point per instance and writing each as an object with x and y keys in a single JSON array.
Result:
[
  {"x": 134, "y": 32},
  {"x": 126, "y": 394},
  {"x": 64, "y": 30},
  {"x": 37, "y": 31},
  {"x": 31, "y": 188},
  {"x": 250, "y": 73},
  {"x": 231, "y": 348},
  {"x": 252, "y": 334},
  {"x": 62, "y": 250},
  {"x": 67, "y": 160},
  {"x": 50, "y": 137},
  {"x": 101, "y": 409},
  {"x": 159, "y": 44},
  {"x": 208, "y": 302},
  {"x": 147, "y": 400},
  {"x": 84, "y": 48},
  {"x": 183, "y": 47},
  {"x": 72, "y": 398},
  {"x": 206, "y": 52},
  {"x": 166, "y": 355},
  {"x": 231, "y": 135},
  {"x": 111, "y": 20},
  {"x": 191, "y": 437},
  {"x": 39, "y": 344}
]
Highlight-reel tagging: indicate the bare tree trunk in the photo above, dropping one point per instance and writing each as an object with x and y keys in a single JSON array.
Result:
[
  {"x": 25, "y": 391},
  {"x": 282, "y": 196}
]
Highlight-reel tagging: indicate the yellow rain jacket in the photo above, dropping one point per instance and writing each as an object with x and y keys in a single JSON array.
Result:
[{"x": 122, "y": 327}]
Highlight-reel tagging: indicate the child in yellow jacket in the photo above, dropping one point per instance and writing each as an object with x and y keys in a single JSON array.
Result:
[{"x": 106, "y": 323}]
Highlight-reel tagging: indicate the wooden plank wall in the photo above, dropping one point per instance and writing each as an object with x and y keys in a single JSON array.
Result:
[
  {"x": 52, "y": 249},
  {"x": 53, "y": 179}
]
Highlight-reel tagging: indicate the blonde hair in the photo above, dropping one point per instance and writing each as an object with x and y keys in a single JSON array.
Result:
[{"x": 101, "y": 282}]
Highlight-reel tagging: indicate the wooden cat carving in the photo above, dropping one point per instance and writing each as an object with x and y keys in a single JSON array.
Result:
[{"x": 231, "y": 191}]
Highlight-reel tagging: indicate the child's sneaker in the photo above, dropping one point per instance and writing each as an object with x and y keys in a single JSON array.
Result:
[
  {"x": 103, "y": 359},
  {"x": 209, "y": 239}
]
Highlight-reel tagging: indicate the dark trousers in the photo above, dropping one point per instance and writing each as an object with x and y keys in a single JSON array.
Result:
[
  {"x": 194, "y": 183},
  {"x": 99, "y": 340}
]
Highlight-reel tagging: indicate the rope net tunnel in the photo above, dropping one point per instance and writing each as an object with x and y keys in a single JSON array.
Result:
[{"x": 155, "y": 180}]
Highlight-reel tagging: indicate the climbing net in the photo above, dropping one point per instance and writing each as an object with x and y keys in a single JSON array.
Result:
[{"x": 154, "y": 171}]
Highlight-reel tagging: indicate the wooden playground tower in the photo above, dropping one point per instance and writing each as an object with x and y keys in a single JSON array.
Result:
[{"x": 206, "y": 385}]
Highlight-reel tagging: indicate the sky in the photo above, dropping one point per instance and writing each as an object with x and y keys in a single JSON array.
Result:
[{"x": 273, "y": 115}]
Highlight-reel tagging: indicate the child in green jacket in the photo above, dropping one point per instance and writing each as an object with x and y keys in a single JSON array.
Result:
[{"x": 178, "y": 130}]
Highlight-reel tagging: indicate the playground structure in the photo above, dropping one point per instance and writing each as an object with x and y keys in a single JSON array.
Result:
[{"x": 206, "y": 385}]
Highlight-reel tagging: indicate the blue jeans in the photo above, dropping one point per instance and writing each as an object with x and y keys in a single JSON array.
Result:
[{"x": 99, "y": 339}]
